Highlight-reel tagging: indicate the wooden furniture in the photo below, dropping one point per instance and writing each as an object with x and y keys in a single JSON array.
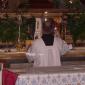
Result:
[
  {"x": 12, "y": 57},
  {"x": 8, "y": 58}
]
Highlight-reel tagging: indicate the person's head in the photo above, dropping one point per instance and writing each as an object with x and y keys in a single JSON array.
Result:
[{"x": 48, "y": 26}]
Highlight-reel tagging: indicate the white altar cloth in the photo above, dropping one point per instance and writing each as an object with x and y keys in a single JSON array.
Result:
[{"x": 53, "y": 76}]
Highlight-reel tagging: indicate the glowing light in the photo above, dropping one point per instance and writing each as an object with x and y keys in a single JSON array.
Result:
[
  {"x": 45, "y": 19},
  {"x": 70, "y": 1},
  {"x": 45, "y": 12}
]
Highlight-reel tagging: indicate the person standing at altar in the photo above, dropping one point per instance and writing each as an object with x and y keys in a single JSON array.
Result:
[{"x": 47, "y": 50}]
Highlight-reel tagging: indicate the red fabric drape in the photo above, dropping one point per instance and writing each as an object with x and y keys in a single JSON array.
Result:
[{"x": 8, "y": 77}]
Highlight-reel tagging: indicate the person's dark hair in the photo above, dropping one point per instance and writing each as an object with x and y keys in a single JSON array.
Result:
[{"x": 48, "y": 26}]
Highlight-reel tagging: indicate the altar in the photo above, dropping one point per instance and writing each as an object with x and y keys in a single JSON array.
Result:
[{"x": 73, "y": 75}]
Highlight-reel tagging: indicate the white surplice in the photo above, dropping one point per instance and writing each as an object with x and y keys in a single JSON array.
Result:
[{"x": 43, "y": 55}]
